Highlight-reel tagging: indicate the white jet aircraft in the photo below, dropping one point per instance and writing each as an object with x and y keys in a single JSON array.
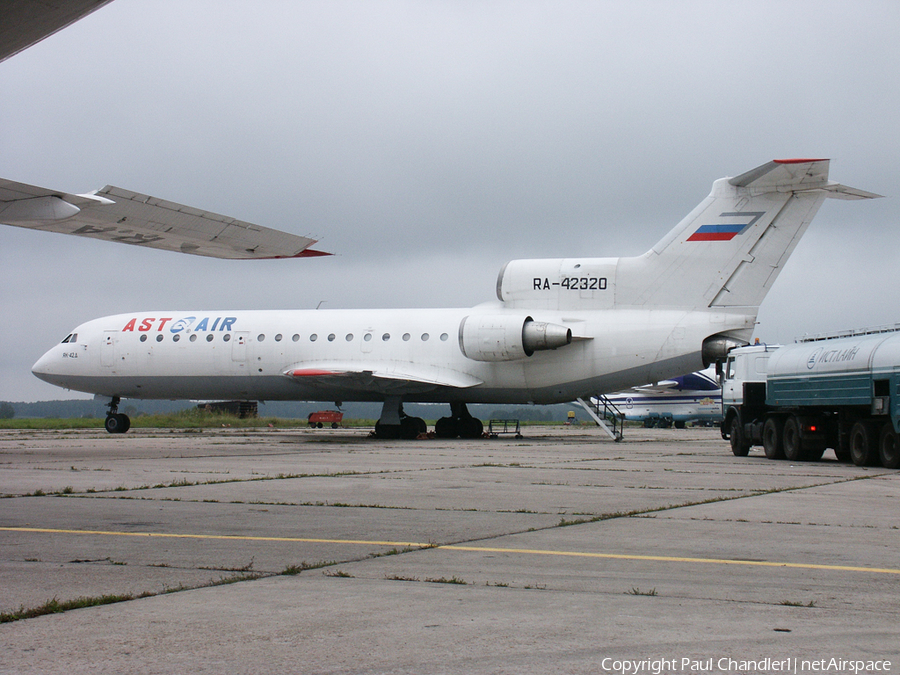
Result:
[
  {"x": 560, "y": 328},
  {"x": 696, "y": 397}
]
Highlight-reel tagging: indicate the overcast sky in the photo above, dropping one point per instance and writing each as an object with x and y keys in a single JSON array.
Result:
[{"x": 427, "y": 143}]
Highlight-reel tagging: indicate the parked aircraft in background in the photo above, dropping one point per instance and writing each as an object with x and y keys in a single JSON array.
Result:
[
  {"x": 560, "y": 329},
  {"x": 695, "y": 398}
]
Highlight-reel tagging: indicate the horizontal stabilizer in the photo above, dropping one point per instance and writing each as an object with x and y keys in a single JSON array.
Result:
[
  {"x": 114, "y": 214},
  {"x": 796, "y": 175}
]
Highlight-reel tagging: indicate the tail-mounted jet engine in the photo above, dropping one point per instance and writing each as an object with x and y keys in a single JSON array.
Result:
[
  {"x": 716, "y": 348},
  {"x": 503, "y": 337}
]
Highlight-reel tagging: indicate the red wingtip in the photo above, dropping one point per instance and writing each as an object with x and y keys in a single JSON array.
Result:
[
  {"x": 798, "y": 161},
  {"x": 311, "y": 253}
]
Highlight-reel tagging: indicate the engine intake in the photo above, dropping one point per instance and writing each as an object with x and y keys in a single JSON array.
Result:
[{"x": 503, "y": 337}]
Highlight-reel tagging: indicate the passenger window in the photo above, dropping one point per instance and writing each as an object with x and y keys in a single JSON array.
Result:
[
  {"x": 278, "y": 338},
  {"x": 209, "y": 338},
  {"x": 296, "y": 337},
  {"x": 386, "y": 337},
  {"x": 226, "y": 337},
  {"x": 175, "y": 338},
  {"x": 143, "y": 338},
  {"x": 367, "y": 337},
  {"x": 406, "y": 337},
  {"x": 313, "y": 337},
  {"x": 159, "y": 338},
  {"x": 349, "y": 337},
  {"x": 425, "y": 337},
  {"x": 193, "y": 337},
  {"x": 444, "y": 337},
  {"x": 261, "y": 337},
  {"x": 331, "y": 337}
]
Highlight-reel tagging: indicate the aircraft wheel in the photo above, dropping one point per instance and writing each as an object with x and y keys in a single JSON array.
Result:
[
  {"x": 470, "y": 427},
  {"x": 773, "y": 438},
  {"x": 410, "y": 427},
  {"x": 889, "y": 447},
  {"x": 387, "y": 431},
  {"x": 862, "y": 445},
  {"x": 446, "y": 427},
  {"x": 739, "y": 447},
  {"x": 793, "y": 447},
  {"x": 118, "y": 423}
]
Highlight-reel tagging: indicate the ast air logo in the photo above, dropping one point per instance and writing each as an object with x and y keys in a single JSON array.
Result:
[
  {"x": 206, "y": 323},
  {"x": 727, "y": 231}
]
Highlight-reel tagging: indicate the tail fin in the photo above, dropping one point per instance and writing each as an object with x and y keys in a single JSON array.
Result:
[{"x": 728, "y": 251}]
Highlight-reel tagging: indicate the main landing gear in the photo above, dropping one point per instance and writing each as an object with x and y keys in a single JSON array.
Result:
[
  {"x": 394, "y": 423},
  {"x": 460, "y": 423},
  {"x": 116, "y": 422}
]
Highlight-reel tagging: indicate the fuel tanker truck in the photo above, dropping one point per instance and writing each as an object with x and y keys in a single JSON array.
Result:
[{"x": 798, "y": 400}]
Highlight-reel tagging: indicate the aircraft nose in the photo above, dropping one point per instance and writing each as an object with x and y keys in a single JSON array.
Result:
[{"x": 45, "y": 368}]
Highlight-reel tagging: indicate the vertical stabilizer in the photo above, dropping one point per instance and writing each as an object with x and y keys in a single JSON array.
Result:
[{"x": 729, "y": 250}]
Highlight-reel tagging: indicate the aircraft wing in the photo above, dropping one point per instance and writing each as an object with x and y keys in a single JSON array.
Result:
[
  {"x": 114, "y": 214},
  {"x": 662, "y": 386},
  {"x": 381, "y": 377},
  {"x": 27, "y": 22}
]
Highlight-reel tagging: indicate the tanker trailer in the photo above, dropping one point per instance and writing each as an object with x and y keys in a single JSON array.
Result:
[{"x": 798, "y": 400}]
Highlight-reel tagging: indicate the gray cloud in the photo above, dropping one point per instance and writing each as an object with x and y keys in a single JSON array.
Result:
[{"x": 428, "y": 143}]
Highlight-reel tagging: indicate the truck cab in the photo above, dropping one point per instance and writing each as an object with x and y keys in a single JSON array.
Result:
[
  {"x": 744, "y": 394},
  {"x": 744, "y": 365}
]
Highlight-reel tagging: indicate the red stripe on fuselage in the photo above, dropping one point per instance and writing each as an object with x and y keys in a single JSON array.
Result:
[{"x": 312, "y": 372}]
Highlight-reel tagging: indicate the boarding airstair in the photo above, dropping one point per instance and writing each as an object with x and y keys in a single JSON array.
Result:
[{"x": 606, "y": 415}]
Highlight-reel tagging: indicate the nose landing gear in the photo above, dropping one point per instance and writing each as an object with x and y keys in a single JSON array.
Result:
[{"x": 116, "y": 422}]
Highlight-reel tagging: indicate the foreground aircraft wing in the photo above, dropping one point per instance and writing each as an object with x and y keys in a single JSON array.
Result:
[
  {"x": 402, "y": 379},
  {"x": 27, "y": 22},
  {"x": 114, "y": 214}
]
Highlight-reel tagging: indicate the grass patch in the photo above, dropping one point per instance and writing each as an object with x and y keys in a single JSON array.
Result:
[
  {"x": 444, "y": 580},
  {"x": 55, "y": 606},
  {"x": 637, "y": 591}
]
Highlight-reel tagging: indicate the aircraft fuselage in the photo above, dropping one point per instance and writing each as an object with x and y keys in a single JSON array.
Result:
[{"x": 304, "y": 354}]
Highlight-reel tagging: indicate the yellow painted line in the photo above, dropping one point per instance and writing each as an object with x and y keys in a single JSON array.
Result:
[
  {"x": 458, "y": 547},
  {"x": 233, "y": 537},
  {"x": 664, "y": 558}
]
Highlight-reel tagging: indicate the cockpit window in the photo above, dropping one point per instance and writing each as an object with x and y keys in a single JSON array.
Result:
[{"x": 72, "y": 337}]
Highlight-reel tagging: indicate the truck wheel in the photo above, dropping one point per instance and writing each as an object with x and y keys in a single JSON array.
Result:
[
  {"x": 813, "y": 454},
  {"x": 862, "y": 445},
  {"x": 739, "y": 447},
  {"x": 793, "y": 449},
  {"x": 889, "y": 447},
  {"x": 773, "y": 437}
]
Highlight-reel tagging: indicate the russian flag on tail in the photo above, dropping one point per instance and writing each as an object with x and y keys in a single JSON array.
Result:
[{"x": 726, "y": 231}]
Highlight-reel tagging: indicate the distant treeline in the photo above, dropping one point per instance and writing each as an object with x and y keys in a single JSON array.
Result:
[{"x": 284, "y": 409}]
